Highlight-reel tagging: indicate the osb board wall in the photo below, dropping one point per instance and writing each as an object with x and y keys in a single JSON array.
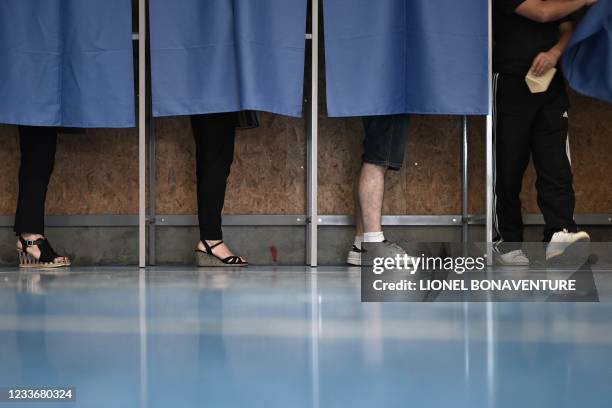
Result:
[
  {"x": 96, "y": 172},
  {"x": 429, "y": 182},
  {"x": 591, "y": 149},
  {"x": 590, "y": 138},
  {"x": 268, "y": 175}
]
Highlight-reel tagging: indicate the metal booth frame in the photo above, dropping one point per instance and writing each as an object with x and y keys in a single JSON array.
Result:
[
  {"x": 312, "y": 220},
  {"x": 147, "y": 219}
]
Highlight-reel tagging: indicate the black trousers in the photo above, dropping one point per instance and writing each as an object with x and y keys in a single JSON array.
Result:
[
  {"x": 214, "y": 136},
  {"x": 38, "y": 145},
  {"x": 532, "y": 125}
]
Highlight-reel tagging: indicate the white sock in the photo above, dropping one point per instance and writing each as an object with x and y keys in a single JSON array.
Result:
[
  {"x": 358, "y": 240},
  {"x": 373, "y": 237}
]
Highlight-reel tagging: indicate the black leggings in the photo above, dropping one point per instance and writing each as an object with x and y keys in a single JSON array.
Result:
[
  {"x": 214, "y": 136},
  {"x": 37, "y": 146}
]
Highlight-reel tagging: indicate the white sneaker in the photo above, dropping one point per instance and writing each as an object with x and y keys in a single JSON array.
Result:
[
  {"x": 512, "y": 258},
  {"x": 562, "y": 240},
  {"x": 386, "y": 249},
  {"x": 354, "y": 256}
]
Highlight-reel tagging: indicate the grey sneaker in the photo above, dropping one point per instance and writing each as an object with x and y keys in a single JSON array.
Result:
[
  {"x": 354, "y": 256},
  {"x": 562, "y": 240},
  {"x": 385, "y": 249},
  {"x": 512, "y": 258}
]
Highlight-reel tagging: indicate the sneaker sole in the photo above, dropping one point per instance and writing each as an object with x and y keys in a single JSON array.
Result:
[
  {"x": 354, "y": 258},
  {"x": 559, "y": 255},
  {"x": 501, "y": 262}
]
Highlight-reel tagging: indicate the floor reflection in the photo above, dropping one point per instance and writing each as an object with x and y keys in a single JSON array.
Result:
[{"x": 291, "y": 337}]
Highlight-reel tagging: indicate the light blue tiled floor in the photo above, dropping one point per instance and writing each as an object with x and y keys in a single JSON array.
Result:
[{"x": 285, "y": 337}]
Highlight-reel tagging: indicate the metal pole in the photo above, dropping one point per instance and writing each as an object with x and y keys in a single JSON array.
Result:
[
  {"x": 465, "y": 206},
  {"x": 152, "y": 192},
  {"x": 142, "y": 132},
  {"x": 152, "y": 144},
  {"x": 489, "y": 149},
  {"x": 312, "y": 136}
]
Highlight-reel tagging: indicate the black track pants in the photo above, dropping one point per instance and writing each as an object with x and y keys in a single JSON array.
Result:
[{"x": 532, "y": 125}]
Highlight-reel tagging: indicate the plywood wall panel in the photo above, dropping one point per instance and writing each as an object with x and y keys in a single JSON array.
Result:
[
  {"x": 96, "y": 172},
  {"x": 267, "y": 177},
  {"x": 477, "y": 169},
  {"x": 590, "y": 138},
  {"x": 591, "y": 150},
  {"x": 429, "y": 182},
  {"x": 9, "y": 165}
]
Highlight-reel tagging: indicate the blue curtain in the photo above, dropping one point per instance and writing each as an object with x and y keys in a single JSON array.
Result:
[
  {"x": 212, "y": 56},
  {"x": 66, "y": 63},
  {"x": 587, "y": 62},
  {"x": 406, "y": 56}
]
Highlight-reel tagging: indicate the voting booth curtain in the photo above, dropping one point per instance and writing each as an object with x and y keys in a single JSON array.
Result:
[
  {"x": 227, "y": 55},
  {"x": 406, "y": 56},
  {"x": 587, "y": 62},
  {"x": 66, "y": 63}
]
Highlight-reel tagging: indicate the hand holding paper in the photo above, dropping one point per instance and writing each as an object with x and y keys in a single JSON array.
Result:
[{"x": 540, "y": 83}]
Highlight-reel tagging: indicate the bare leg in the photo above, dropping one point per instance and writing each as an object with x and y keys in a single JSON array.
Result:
[
  {"x": 358, "y": 214},
  {"x": 371, "y": 190}
]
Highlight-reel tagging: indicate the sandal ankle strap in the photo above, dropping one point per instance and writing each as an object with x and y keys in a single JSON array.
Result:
[
  {"x": 209, "y": 248},
  {"x": 26, "y": 243}
]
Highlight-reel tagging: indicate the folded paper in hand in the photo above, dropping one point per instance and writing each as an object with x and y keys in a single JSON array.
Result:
[{"x": 538, "y": 84}]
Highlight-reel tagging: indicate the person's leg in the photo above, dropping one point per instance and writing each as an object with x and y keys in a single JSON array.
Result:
[
  {"x": 371, "y": 191},
  {"x": 554, "y": 184},
  {"x": 38, "y": 147},
  {"x": 358, "y": 217},
  {"x": 354, "y": 253},
  {"x": 513, "y": 120},
  {"x": 551, "y": 159},
  {"x": 214, "y": 136},
  {"x": 384, "y": 148}
]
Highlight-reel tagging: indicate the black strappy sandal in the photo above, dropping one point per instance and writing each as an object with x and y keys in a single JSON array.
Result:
[
  {"x": 207, "y": 258},
  {"x": 48, "y": 257}
]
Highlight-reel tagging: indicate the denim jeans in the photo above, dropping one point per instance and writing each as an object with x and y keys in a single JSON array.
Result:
[{"x": 385, "y": 140}]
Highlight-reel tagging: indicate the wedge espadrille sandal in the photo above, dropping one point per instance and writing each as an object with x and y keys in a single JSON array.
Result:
[
  {"x": 48, "y": 257},
  {"x": 207, "y": 258}
]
